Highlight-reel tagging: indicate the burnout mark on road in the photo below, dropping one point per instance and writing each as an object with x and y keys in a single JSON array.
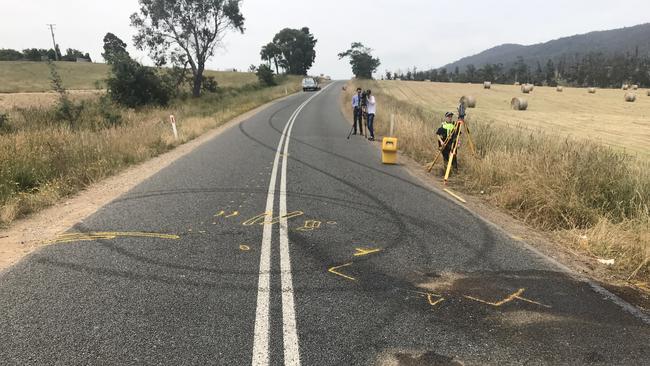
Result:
[{"x": 107, "y": 235}]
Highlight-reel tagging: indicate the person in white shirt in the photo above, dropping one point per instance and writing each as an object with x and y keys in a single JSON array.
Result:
[{"x": 371, "y": 109}]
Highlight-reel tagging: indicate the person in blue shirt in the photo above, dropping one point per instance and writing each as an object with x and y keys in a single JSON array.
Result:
[{"x": 357, "y": 111}]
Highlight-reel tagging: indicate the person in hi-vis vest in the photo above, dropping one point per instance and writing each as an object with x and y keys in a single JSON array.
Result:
[{"x": 443, "y": 133}]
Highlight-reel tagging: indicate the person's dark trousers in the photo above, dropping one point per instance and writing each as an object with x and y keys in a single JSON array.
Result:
[
  {"x": 445, "y": 154},
  {"x": 358, "y": 117},
  {"x": 371, "y": 128}
]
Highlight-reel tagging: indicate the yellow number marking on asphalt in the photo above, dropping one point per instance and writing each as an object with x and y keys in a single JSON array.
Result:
[
  {"x": 310, "y": 225},
  {"x": 108, "y": 235},
  {"x": 514, "y": 296},
  {"x": 361, "y": 252},
  {"x": 333, "y": 270},
  {"x": 244, "y": 248}
]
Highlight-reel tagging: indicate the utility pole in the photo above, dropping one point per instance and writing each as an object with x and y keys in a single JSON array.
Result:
[{"x": 56, "y": 55}]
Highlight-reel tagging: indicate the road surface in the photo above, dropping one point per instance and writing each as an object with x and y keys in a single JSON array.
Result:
[{"x": 281, "y": 242}]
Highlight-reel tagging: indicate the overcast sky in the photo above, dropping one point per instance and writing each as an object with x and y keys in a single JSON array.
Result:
[{"x": 403, "y": 33}]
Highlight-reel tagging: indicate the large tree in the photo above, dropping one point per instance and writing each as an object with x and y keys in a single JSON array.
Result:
[
  {"x": 363, "y": 64},
  {"x": 185, "y": 31},
  {"x": 272, "y": 54},
  {"x": 114, "y": 48},
  {"x": 297, "y": 50}
]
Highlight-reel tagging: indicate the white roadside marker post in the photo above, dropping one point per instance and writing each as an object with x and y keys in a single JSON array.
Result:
[{"x": 172, "y": 119}]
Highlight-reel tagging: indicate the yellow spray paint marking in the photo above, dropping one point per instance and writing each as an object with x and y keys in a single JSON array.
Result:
[
  {"x": 310, "y": 225},
  {"x": 361, "y": 252},
  {"x": 109, "y": 235},
  {"x": 514, "y": 296},
  {"x": 244, "y": 248},
  {"x": 288, "y": 216},
  {"x": 433, "y": 299},
  {"x": 257, "y": 219},
  {"x": 331, "y": 223},
  {"x": 455, "y": 195},
  {"x": 236, "y": 213},
  {"x": 333, "y": 270},
  {"x": 220, "y": 213},
  {"x": 261, "y": 219}
]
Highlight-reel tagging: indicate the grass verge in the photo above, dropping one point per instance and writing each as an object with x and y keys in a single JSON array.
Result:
[
  {"x": 43, "y": 160},
  {"x": 589, "y": 196}
]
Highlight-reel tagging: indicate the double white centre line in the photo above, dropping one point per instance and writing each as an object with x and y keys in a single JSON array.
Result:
[{"x": 290, "y": 333}]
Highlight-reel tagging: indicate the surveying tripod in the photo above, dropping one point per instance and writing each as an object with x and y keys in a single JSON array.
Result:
[{"x": 459, "y": 128}]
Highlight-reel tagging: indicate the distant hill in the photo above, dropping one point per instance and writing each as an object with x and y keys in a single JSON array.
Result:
[{"x": 624, "y": 40}]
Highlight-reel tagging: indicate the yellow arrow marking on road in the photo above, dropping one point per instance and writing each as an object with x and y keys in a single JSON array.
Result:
[
  {"x": 514, "y": 296},
  {"x": 361, "y": 252},
  {"x": 333, "y": 270}
]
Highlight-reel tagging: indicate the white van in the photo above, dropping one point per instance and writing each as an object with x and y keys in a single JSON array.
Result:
[{"x": 309, "y": 84}]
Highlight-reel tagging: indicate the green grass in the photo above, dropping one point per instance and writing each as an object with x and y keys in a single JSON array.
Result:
[{"x": 29, "y": 76}]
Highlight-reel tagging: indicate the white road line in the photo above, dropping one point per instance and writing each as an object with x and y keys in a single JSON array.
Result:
[
  {"x": 261, "y": 336},
  {"x": 289, "y": 329}
]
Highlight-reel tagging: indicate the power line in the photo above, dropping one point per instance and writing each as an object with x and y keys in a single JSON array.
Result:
[{"x": 56, "y": 54}]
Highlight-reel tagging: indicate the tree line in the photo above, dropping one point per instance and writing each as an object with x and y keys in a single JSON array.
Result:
[
  {"x": 594, "y": 69},
  {"x": 42, "y": 54}
]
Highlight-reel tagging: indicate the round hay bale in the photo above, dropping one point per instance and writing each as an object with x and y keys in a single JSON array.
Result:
[
  {"x": 487, "y": 85},
  {"x": 559, "y": 89},
  {"x": 517, "y": 83},
  {"x": 526, "y": 88},
  {"x": 519, "y": 104},
  {"x": 635, "y": 87},
  {"x": 592, "y": 90},
  {"x": 468, "y": 101},
  {"x": 630, "y": 97},
  {"x": 625, "y": 87}
]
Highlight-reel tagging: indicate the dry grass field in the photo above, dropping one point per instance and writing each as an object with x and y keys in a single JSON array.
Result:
[
  {"x": 10, "y": 101},
  {"x": 28, "y": 76},
  {"x": 43, "y": 158},
  {"x": 604, "y": 116},
  {"x": 587, "y": 192}
]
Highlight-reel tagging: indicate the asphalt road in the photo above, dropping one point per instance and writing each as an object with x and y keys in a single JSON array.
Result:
[{"x": 300, "y": 248}]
